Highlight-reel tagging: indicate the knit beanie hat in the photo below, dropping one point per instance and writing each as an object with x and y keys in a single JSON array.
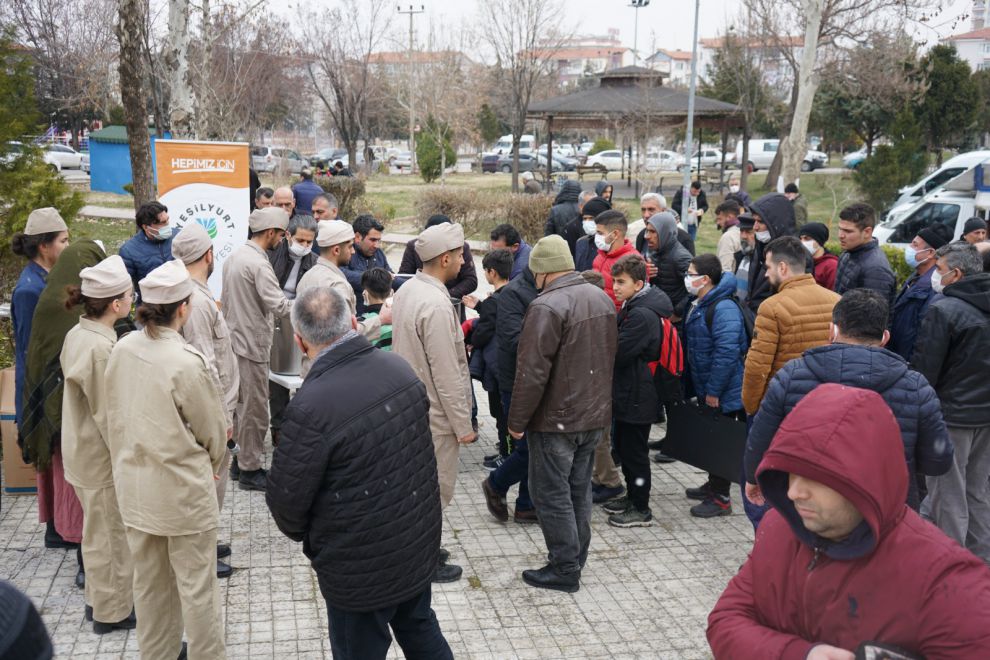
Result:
[
  {"x": 936, "y": 235},
  {"x": 22, "y": 632},
  {"x": 973, "y": 224},
  {"x": 815, "y": 230},
  {"x": 551, "y": 255},
  {"x": 596, "y": 205}
]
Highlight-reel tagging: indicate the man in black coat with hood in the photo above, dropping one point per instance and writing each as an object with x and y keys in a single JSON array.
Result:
[
  {"x": 347, "y": 480},
  {"x": 565, "y": 208},
  {"x": 773, "y": 216}
]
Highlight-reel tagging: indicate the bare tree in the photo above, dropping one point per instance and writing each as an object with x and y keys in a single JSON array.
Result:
[
  {"x": 827, "y": 26},
  {"x": 338, "y": 62},
  {"x": 132, "y": 23},
  {"x": 525, "y": 36},
  {"x": 182, "y": 109}
]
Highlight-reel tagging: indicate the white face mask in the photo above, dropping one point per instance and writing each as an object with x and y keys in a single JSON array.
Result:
[
  {"x": 298, "y": 250},
  {"x": 763, "y": 236},
  {"x": 937, "y": 285},
  {"x": 690, "y": 286},
  {"x": 589, "y": 227},
  {"x": 602, "y": 244},
  {"x": 810, "y": 246},
  {"x": 734, "y": 188}
]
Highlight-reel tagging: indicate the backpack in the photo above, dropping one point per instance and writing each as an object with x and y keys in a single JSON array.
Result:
[
  {"x": 668, "y": 369},
  {"x": 749, "y": 320}
]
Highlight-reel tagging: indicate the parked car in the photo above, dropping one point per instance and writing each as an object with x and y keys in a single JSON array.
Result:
[
  {"x": 762, "y": 153},
  {"x": 270, "y": 159},
  {"x": 402, "y": 160},
  {"x": 607, "y": 161},
  {"x": 325, "y": 156},
  {"x": 527, "y": 163},
  {"x": 504, "y": 145},
  {"x": 852, "y": 159},
  {"x": 66, "y": 157},
  {"x": 709, "y": 158},
  {"x": 16, "y": 149},
  {"x": 664, "y": 160},
  {"x": 566, "y": 163},
  {"x": 489, "y": 163},
  {"x": 930, "y": 182}
]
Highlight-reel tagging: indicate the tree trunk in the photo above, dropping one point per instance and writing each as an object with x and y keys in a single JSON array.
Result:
[
  {"x": 182, "y": 112},
  {"x": 202, "y": 118},
  {"x": 793, "y": 146},
  {"x": 131, "y": 24}
]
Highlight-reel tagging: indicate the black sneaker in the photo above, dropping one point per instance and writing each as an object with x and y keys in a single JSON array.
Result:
[
  {"x": 714, "y": 506},
  {"x": 447, "y": 573},
  {"x": 494, "y": 463},
  {"x": 101, "y": 628},
  {"x": 660, "y": 457},
  {"x": 602, "y": 494},
  {"x": 631, "y": 517},
  {"x": 224, "y": 570},
  {"x": 253, "y": 480},
  {"x": 701, "y": 493},
  {"x": 235, "y": 471},
  {"x": 655, "y": 445},
  {"x": 620, "y": 505}
]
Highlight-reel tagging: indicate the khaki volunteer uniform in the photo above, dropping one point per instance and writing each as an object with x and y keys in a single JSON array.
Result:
[
  {"x": 207, "y": 332},
  {"x": 426, "y": 332},
  {"x": 167, "y": 440},
  {"x": 251, "y": 298},
  {"x": 86, "y": 458}
]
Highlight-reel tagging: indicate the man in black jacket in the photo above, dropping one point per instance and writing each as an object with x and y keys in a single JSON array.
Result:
[
  {"x": 565, "y": 208},
  {"x": 952, "y": 353},
  {"x": 467, "y": 277},
  {"x": 862, "y": 265},
  {"x": 773, "y": 217},
  {"x": 667, "y": 260},
  {"x": 348, "y": 478},
  {"x": 697, "y": 206}
]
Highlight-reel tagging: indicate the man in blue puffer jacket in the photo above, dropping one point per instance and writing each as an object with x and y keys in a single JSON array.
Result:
[
  {"x": 857, "y": 358},
  {"x": 716, "y": 358},
  {"x": 150, "y": 246}
]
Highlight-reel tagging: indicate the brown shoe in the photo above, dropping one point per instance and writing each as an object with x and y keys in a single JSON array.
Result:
[
  {"x": 496, "y": 503},
  {"x": 526, "y": 517}
]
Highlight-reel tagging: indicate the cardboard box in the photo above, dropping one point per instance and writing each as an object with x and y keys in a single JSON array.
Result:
[{"x": 18, "y": 477}]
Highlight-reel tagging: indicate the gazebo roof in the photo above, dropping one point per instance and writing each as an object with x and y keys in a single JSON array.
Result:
[{"x": 630, "y": 93}]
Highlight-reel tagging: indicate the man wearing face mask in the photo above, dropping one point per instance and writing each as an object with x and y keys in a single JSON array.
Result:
[
  {"x": 293, "y": 256},
  {"x": 585, "y": 249},
  {"x": 916, "y": 295},
  {"x": 574, "y": 230},
  {"x": 773, "y": 217},
  {"x": 610, "y": 239},
  {"x": 951, "y": 352},
  {"x": 814, "y": 236},
  {"x": 737, "y": 193},
  {"x": 150, "y": 246}
]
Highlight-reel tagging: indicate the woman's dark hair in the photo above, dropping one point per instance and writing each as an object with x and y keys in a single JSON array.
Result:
[
  {"x": 93, "y": 308},
  {"x": 153, "y": 316},
  {"x": 26, "y": 245}
]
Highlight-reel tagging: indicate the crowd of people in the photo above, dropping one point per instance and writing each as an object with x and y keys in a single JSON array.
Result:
[{"x": 866, "y": 468}]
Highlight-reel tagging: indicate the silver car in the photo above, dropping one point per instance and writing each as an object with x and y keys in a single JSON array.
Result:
[{"x": 271, "y": 159}]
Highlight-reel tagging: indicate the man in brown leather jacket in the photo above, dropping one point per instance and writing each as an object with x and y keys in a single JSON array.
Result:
[{"x": 562, "y": 397}]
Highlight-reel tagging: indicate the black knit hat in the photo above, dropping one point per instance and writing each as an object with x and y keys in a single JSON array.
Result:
[
  {"x": 974, "y": 224},
  {"x": 936, "y": 235},
  {"x": 746, "y": 221},
  {"x": 596, "y": 205},
  {"x": 22, "y": 633},
  {"x": 815, "y": 230}
]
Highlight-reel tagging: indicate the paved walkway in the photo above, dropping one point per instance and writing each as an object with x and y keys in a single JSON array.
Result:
[{"x": 645, "y": 592}]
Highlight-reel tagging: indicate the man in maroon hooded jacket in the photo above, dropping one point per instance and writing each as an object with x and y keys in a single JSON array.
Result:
[{"x": 841, "y": 560}]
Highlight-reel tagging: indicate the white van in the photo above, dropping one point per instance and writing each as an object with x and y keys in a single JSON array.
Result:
[
  {"x": 956, "y": 201},
  {"x": 527, "y": 143},
  {"x": 950, "y": 169},
  {"x": 762, "y": 153}
]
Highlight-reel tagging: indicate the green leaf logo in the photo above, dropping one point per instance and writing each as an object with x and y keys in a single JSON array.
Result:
[{"x": 210, "y": 225}]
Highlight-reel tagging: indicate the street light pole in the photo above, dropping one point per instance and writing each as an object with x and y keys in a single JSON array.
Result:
[
  {"x": 637, "y": 5},
  {"x": 412, "y": 85},
  {"x": 689, "y": 138}
]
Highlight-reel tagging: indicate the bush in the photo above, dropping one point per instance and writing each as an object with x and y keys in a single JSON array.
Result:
[
  {"x": 349, "y": 191},
  {"x": 889, "y": 168},
  {"x": 601, "y": 144},
  {"x": 428, "y": 154},
  {"x": 481, "y": 210}
]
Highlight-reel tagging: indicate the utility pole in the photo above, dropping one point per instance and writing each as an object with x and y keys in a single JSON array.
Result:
[
  {"x": 689, "y": 138},
  {"x": 412, "y": 11},
  {"x": 637, "y": 5}
]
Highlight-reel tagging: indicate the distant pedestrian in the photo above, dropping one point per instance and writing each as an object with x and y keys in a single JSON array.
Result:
[
  {"x": 373, "y": 566},
  {"x": 862, "y": 264},
  {"x": 737, "y": 193},
  {"x": 691, "y": 211},
  {"x": 974, "y": 231},
  {"x": 564, "y": 210},
  {"x": 305, "y": 191},
  {"x": 561, "y": 399},
  {"x": 530, "y": 185},
  {"x": 792, "y": 193},
  {"x": 814, "y": 236}
]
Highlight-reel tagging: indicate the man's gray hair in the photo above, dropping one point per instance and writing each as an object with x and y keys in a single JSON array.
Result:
[
  {"x": 320, "y": 315},
  {"x": 304, "y": 222},
  {"x": 330, "y": 199},
  {"x": 655, "y": 197},
  {"x": 963, "y": 256},
  {"x": 585, "y": 195}
]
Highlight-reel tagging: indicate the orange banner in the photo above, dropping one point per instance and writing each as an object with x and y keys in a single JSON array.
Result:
[{"x": 179, "y": 163}]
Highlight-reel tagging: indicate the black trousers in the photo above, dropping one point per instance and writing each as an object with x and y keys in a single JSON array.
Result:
[
  {"x": 278, "y": 399},
  {"x": 501, "y": 421},
  {"x": 365, "y": 635},
  {"x": 631, "y": 444}
]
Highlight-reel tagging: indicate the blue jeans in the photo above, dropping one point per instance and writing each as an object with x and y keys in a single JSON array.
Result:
[
  {"x": 754, "y": 512},
  {"x": 515, "y": 469},
  {"x": 692, "y": 230}
]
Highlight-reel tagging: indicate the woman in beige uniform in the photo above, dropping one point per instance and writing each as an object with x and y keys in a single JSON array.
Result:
[
  {"x": 168, "y": 439},
  {"x": 105, "y": 293}
]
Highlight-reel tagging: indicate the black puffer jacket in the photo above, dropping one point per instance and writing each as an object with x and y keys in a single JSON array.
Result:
[
  {"x": 634, "y": 396},
  {"x": 565, "y": 208},
  {"x": 671, "y": 259},
  {"x": 354, "y": 478},
  {"x": 952, "y": 351},
  {"x": 513, "y": 299},
  {"x": 777, "y": 212},
  {"x": 866, "y": 267}
]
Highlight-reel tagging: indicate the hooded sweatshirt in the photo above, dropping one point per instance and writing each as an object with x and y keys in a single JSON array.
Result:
[
  {"x": 601, "y": 186},
  {"x": 895, "y": 579},
  {"x": 672, "y": 261},
  {"x": 777, "y": 212},
  {"x": 565, "y": 208}
]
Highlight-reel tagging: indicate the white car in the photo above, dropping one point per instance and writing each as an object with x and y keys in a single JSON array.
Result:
[
  {"x": 17, "y": 148},
  {"x": 268, "y": 159},
  {"x": 762, "y": 153},
  {"x": 709, "y": 158},
  {"x": 402, "y": 160},
  {"x": 664, "y": 160},
  {"x": 66, "y": 157},
  {"x": 608, "y": 160}
]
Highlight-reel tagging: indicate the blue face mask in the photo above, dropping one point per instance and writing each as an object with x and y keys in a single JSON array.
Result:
[
  {"x": 911, "y": 256},
  {"x": 164, "y": 233}
]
